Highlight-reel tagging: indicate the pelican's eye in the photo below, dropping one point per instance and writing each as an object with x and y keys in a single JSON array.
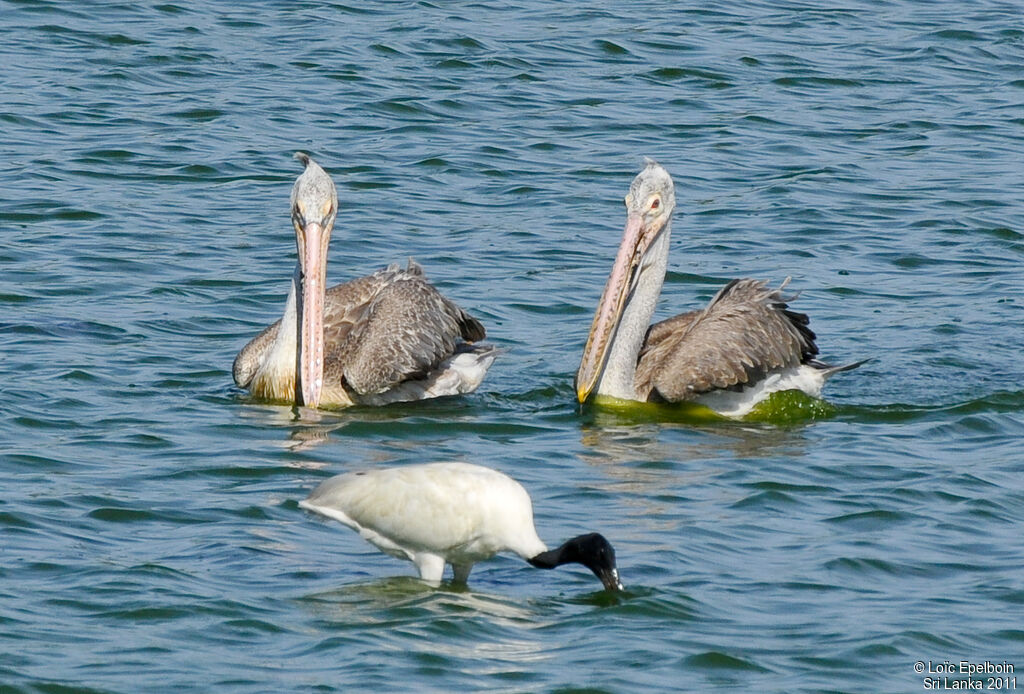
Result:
[{"x": 655, "y": 203}]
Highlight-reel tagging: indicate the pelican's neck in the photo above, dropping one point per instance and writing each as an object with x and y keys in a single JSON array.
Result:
[
  {"x": 617, "y": 378},
  {"x": 290, "y": 326},
  {"x": 279, "y": 367}
]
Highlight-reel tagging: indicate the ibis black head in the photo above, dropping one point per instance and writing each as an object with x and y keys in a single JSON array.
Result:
[{"x": 592, "y": 550}]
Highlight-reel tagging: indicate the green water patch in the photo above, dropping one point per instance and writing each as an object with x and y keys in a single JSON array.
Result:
[
  {"x": 766, "y": 500},
  {"x": 10, "y": 520},
  {"x": 58, "y": 211},
  {"x": 57, "y": 688},
  {"x": 679, "y": 73},
  {"x": 875, "y": 520},
  {"x": 957, "y": 35},
  {"x": 122, "y": 515},
  {"x": 401, "y": 598},
  {"x": 715, "y": 660},
  {"x": 611, "y": 48},
  {"x": 6, "y": 298},
  {"x": 454, "y": 64},
  {"x": 642, "y": 602},
  {"x": 201, "y": 115},
  {"x": 813, "y": 81},
  {"x": 789, "y": 407},
  {"x": 251, "y": 627},
  {"x": 795, "y": 488}
]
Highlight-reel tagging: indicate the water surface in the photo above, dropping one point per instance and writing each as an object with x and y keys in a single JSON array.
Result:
[{"x": 151, "y": 539}]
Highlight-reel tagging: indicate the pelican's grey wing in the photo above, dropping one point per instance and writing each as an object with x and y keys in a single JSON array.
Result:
[
  {"x": 400, "y": 329},
  {"x": 342, "y": 305},
  {"x": 346, "y": 306},
  {"x": 667, "y": 329},
  {"x": 745, "y": 332},
  {"x": 251, "y": 356}
]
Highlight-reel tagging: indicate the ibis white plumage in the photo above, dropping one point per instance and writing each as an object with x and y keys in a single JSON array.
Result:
[{"x": 451, "y": 513}]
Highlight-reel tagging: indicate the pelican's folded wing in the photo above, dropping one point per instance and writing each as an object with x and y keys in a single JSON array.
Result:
[{"x": 744, "y": 332}]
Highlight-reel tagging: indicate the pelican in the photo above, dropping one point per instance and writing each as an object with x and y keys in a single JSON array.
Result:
[
  {"x": 730, "y": 355},
  {"x": 387, "y": 337},
  {"x": 451, "y": 513}
]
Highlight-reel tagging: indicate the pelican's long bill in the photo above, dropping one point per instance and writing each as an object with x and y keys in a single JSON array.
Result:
[
  {"x": 636, "y": 239},
  {"x": 313, "y": 240},
  {"x": 387, "y": 337}
]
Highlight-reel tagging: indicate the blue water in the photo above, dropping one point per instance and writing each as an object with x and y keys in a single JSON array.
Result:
[{"x": 150, "y": 538}]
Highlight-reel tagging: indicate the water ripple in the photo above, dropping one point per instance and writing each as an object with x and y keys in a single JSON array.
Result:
[{"x": 151, "y": 529}]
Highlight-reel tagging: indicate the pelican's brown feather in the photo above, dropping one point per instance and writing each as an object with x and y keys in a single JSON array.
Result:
[
  {"x": 668, "y": 329},
  {"x": 744, "y": 332},
  {"x": 387, "y": 337},
  {"x": 390, "y": 327},
  {"x": 379, "y": 330}
]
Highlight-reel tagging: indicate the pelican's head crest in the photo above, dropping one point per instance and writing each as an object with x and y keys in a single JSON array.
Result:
[{"x": 314, "y": 197}]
